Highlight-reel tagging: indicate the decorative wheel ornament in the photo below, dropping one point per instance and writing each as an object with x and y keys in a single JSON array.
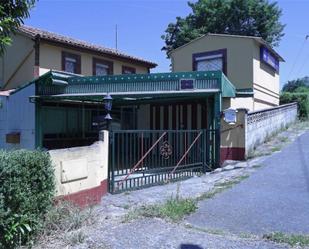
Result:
[{"x": 166, "y": 150}]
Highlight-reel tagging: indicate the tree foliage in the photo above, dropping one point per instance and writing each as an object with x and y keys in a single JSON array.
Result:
[
  {"x": 298, "y": 85},
  {"x": 12, "y": 13},
  {"x": 236, "y": 17}
]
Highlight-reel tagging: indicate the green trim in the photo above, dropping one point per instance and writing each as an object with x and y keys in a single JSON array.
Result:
[
  {"x": 227, "y": 88},
  {"x": 245, "y": 92}
]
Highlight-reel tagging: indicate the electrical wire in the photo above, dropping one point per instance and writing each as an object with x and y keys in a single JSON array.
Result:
[{"x": 297, "y": 57}]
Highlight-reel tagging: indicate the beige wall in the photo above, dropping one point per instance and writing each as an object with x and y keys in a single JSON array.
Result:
[
  {"x": 265, "y": 83},
  {"x": 80, "y": 168},
  {"x": 233, "y": 136},
  {"x": 244, "y": 69},
  {"x": 50, "y": 58},
  {"x": 239, "y": 57},
  {"x": 18, "y": 66}
]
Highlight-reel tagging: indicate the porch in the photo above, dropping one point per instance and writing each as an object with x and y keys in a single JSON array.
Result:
[{"x": 153, "y": 114}]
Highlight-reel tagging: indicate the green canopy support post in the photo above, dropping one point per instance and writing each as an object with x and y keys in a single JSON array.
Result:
[{"x": 217, "y": 119}]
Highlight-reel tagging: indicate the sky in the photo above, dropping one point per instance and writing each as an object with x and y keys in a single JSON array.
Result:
[{"x": 142, "y": 22}]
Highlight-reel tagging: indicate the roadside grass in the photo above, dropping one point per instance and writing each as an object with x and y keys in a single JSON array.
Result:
[
  {"x": 291, "y": 239},
  {"x": 279, "y": 138},
  {"x": 256, "y": 166},
  {"x": 176, "y": 208},
  {"x": 283, "y": 139},
  {"x": 276, "y": 148},
  {"x": 67, "y": 217},
  {"x": 63, "y": 222},
  {"x": 74, "y": 238},
  {"x": 220, "y": 187},
  {"x": 206, "y": 230}
]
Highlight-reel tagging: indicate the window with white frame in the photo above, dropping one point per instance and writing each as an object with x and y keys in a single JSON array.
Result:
[
  {"x": 210, "y": 61},
  {"x": 71, "y": 62},
  {"x": 102, "y": 67}
]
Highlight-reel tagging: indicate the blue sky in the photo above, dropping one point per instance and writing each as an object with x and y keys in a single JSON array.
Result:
[{"x": 142, "y": 22}]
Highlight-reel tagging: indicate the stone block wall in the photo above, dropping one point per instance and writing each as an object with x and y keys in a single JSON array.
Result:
[
  {"x": 252, "y": 129},
  {"x": 264, "y": 123}
]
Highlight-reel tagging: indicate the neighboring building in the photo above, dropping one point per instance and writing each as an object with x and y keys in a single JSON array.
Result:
[
  {"x": 249, "y": 62},
  {"x": 35, "y": 51}
]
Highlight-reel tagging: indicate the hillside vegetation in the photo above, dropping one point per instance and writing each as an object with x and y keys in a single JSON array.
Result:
[{"x": 297, "y": 91}]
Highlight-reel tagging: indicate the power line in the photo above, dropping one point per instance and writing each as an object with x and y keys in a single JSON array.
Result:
[
  {"x": 304, "y": 61},
  {"x": 297, "y": 57}
]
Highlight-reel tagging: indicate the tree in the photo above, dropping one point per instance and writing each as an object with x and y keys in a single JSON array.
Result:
[
  {"x": 298, "y": 85},
  {"x": 236, "y": 17},
  {"x": 12, "y": 13}
]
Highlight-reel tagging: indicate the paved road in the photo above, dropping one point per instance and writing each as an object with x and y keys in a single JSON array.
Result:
[{"x": 274, "y": 198}]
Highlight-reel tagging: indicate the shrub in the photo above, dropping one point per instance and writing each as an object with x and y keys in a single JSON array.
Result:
[
  {"x": 26, "y": 193},
  {"x": 302, "y": 100}
]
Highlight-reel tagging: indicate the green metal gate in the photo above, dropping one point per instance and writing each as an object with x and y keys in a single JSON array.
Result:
[{"x": 141, "y": 158}]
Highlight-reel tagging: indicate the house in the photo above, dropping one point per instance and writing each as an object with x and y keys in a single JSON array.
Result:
[
  {"x": 35, "y": 52},
  {"x": 249, "y": 62}
]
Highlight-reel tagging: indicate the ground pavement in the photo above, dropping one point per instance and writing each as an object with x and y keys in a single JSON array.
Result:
[{"x": 274, "y": 198}]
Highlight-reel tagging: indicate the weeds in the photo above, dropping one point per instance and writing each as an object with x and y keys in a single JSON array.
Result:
[
  {"x": 74, "y": 238},
  {"x": 291, "y": 239},
  {"x": 65, "y": 216},
  {"x": 220, "y": 187},
  {"x": 275, "y": 149}
]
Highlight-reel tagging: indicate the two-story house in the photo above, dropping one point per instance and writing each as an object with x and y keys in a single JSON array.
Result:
[
  {"x": 249, "y": 62},
  {"x": 35, "y": 52}
]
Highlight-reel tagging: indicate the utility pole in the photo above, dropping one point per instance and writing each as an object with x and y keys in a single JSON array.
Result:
[{"x": 116, "y": 37}]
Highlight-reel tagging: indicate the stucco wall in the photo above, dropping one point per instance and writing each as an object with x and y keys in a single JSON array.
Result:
[
  {"x": 81, "y": 168},
  {"x": 239, "y": 57},
  {"x": 18, "y": 115},
  {"x": 20, "y": 55},
  {"x": 50, "y": 58},
  {"x": 266, "y": 83}
]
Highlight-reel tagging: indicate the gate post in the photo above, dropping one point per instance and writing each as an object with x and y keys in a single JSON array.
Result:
[{"x": 217, "y": 122}]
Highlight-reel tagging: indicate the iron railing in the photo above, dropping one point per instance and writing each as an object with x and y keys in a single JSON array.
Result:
[{"x": 141, "y": 158}]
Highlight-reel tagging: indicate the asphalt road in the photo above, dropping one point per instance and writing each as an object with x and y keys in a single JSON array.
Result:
[{"x": 274, "y": 198}]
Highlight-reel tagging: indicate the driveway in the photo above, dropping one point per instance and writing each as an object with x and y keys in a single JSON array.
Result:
[{"x": 274, "y": 198}]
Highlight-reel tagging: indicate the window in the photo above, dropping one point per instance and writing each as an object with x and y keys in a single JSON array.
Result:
[
  {"x": 71, "y": 63},
  {"x": 128, "y": 70},
  {"x": 102, "y": 67},
  {"x": 210, "y": 61}
]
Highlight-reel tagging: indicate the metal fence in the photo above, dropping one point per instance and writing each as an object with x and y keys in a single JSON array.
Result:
[{"x": 141, "y": 158}]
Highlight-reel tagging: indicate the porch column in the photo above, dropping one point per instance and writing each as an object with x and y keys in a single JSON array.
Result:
[{"x": 217, "y": 121}]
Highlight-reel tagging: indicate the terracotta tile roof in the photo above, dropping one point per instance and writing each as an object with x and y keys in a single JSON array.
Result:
[{"x": 50, "y": 36}]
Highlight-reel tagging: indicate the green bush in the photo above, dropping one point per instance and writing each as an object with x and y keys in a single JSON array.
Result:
[
  {"x": 302, "y": 100},
  {"x": 26, "y": 193}
]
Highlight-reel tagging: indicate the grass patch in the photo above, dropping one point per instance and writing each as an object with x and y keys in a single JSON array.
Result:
[
  {"x": 256, "y": 166},
  {"x": 283, "y": 139},
  {"x": 75, "y": 238},
  {"x": 275, "y": 149},
  {"x": 291, "y": 239},
  {"x": 174, "y": 209},
  {"x": 67, "y": 217},
  {"x": 220, "y": 187}
]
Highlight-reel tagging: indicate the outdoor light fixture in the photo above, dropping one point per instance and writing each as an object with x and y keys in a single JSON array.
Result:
[{"x": 108, "y": 102}]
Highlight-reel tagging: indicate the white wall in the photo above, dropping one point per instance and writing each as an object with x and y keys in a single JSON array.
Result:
[
  {"x": 262, "y": 124},
  {"x": 18, "y": 115},
  {"x": 80, "y": 168}
]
